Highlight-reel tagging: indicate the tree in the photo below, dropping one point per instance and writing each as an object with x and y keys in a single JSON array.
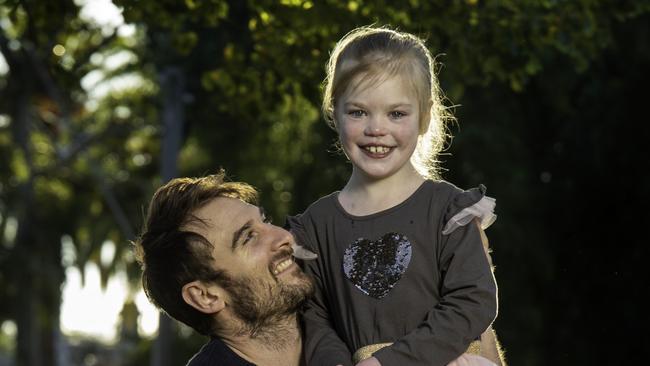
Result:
[{"x": 60, "y": 146}]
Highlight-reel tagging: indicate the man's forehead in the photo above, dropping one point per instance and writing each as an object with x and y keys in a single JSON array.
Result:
[{"x": 221, "y": 217}]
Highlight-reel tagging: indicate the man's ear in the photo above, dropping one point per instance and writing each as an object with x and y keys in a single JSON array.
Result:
[{"x": 208, "y": 299}]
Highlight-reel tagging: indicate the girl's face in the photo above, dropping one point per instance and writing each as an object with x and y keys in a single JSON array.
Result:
[{"x": 378, "y": 127}]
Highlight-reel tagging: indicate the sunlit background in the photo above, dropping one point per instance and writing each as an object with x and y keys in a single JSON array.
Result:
[{"x": 88, "y": 308}]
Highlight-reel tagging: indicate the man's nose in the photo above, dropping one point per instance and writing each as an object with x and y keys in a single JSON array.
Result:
[{"x": 281, "y": 239}]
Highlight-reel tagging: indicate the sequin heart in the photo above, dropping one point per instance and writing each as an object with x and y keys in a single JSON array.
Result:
[{"x": 375, "y": 266}]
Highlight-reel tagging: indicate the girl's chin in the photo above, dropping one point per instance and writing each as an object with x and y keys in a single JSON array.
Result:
[{"x": 375, "y": 174}]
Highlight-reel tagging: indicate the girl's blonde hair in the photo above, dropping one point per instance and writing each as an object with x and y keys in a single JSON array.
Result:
[{"x": 369, "y": 55}]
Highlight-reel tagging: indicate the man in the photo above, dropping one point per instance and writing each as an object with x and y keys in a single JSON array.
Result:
[{"x": 211, "y": 260}]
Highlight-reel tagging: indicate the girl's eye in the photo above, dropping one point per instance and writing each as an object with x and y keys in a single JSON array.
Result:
[
  {"x": 397, "y": 114},
  {"x": 356, "y": 113}
]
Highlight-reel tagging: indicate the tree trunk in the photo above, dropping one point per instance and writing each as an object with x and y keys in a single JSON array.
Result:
[
  {"x": 24, "y": 263},
  {"x": 173, "y": 87},
  {"x": 35, "y": 260}
]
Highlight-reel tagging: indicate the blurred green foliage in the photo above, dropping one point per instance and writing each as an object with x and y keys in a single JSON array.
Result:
[{"x": 540, "y": 89}]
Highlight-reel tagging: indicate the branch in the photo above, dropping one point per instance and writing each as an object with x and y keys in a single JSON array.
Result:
[
  {"x": 8, "y": 54},
  {"x": 82, "y": 60},
  {"x": 51, "y": 88},
  {"x": 113, "y": 204},
  {"x": 79, "y": 145}
]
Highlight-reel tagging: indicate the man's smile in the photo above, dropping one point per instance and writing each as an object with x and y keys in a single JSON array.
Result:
[{"x": 283, "y": 266}]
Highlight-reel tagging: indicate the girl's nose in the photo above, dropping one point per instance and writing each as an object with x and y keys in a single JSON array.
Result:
[{"x": 374, "y": 127}]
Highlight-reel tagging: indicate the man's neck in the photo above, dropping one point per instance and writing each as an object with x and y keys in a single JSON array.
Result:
[{"x": 277, "y": 344}]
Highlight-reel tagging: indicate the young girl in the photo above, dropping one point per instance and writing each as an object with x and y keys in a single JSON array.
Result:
[{"x": 402, "y": 275}]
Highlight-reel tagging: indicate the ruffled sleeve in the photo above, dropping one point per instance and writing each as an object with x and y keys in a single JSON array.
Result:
[
  {"x": 296, "y": 227},
  {"x": 468, "y": 205}
]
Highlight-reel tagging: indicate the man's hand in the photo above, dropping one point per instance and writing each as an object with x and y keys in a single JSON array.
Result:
[
  {"x": 369, "y": 362},
  {"x": 468, "y": 359}
]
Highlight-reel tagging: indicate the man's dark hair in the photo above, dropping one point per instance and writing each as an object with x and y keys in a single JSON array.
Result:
[{"x": 171, "y": 256}]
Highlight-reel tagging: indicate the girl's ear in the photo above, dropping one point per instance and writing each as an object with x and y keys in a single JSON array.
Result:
[
  {"x": 335, "y": 121},
  {"x": 208, "y": 299},
  {"x": 425, "y": 118}
]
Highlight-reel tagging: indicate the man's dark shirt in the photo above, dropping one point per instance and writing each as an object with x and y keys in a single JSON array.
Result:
[{"x": 216, "y": 353}]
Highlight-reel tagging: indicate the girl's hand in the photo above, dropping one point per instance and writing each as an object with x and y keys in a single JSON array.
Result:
[
  {"x": 467, "y": 359},
  {"x": 369, "y": 362}
]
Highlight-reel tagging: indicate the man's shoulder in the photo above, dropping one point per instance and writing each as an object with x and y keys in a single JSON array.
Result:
[{"x": 217, "y": 353}]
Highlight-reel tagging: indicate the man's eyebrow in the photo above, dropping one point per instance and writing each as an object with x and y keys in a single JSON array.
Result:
[
  {"x": 262, "y": 213},
  {"x": 237, "y": 236}
]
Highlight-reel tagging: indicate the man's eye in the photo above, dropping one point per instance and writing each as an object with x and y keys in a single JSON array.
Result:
[{"x": 249, "y": 236}]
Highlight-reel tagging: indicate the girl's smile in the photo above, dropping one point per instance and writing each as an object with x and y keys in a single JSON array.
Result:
[{"x": 377, "y": 151}]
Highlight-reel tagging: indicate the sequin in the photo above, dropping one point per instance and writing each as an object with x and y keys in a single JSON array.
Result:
[{"x": 374, "y": 267}]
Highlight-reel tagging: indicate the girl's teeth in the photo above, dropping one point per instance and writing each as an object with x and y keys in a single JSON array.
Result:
[{"x": 377, "y": 149}]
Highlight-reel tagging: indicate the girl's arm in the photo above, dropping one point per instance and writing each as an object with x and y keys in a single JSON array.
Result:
[{"x": 322, "y": 345}]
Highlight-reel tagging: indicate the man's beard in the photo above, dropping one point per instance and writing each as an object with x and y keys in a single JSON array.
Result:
[{"x": 262, "y": 304}]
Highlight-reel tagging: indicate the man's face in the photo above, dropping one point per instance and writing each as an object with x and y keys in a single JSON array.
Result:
[{"x": 264, "y": 281}]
